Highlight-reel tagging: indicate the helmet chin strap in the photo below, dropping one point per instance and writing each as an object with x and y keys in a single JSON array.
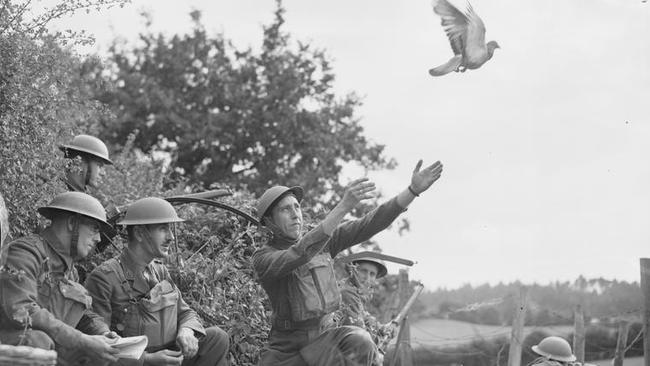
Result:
[
  {"x": 74, "y": 239},
  {"x": 87, "y": 175}
]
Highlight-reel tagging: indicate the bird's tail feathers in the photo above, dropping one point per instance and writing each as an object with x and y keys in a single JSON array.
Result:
[{"x": 451, "y": 65}]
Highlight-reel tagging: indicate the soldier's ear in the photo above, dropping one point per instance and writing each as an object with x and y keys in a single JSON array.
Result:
[
  {"x": 136, "y": 234},
  {"x": 70, "y": 221}
]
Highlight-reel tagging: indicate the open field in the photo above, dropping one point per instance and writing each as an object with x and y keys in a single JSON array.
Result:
[
  {"x": 444, "y": 332},
  {"x": 632, "y": 361}
]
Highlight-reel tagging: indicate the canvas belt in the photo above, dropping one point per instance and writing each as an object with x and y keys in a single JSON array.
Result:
[{"x": 286, "y": 324}]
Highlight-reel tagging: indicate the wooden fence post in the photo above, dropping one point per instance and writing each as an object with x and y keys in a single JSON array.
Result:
[
  {"x": 517, "y": 333},
  {"x": 579, "y": 334},
  {"x": 645, "y": 289},
  {"x": 403, "y": 355},
  {"x": 621, "y": 343}
]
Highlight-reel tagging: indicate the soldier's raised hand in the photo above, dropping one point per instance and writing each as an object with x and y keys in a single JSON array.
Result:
[
  {"x": 357, "y": 191},
  {"x": 422, "y": 179}
]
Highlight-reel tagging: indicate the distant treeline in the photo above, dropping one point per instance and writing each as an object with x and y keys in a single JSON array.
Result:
[{"x": 602, "y": 300}]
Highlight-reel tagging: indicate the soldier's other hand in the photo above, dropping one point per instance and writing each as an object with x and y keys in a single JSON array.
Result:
[
  {"x": 357, "y": 191},
  {"x": 98, "y": 346},
  {"x": 188, "y": 343},
  {"x": 112, "y": 335},
  {"x": 163, "y": 357},
  {"x": 421, "y": 180}
]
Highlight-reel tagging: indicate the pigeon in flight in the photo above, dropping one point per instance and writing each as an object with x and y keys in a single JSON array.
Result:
[{"x": 466, "y": 33}]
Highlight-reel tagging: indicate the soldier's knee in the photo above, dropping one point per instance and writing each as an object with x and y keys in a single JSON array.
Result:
[
  {"x": 216, "y": 339},
  {"x": 359, "y": 337},
  {"x": 38, "y": 339}
]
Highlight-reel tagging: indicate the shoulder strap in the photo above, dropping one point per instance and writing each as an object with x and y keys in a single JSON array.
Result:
[{"x": 115, "y": 266}]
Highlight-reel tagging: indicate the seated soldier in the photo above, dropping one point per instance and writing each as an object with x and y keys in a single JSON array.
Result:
[
  {"x": 295, "y": 270},
  {"x": 93, "y": 154},
  {"x": 136, "y": 295},
  {"x": 555, "y": 351},
  {"x": 42, "y": 304},
  {"x": 356, "y": 291}
]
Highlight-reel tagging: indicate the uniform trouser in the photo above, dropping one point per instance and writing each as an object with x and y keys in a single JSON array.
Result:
[
  {"x": 30, "y": 337},
  {"x": 39, "y": 339},
  {"x": 213, "y": 350},
  {"x": 342, "y": 346}
]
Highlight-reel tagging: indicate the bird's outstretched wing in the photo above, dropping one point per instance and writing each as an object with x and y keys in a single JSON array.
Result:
[
  {"x": 475, "y": 36},
  {"x": 454, "y": 22}
]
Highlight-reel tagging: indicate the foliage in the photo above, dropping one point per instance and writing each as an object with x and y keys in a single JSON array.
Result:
[
  {"x": 19, "y": 17},
  {"x": 40, "y": 107},
  {"x": 308, "y": 133},
  {"x": 236, "y": 117}
]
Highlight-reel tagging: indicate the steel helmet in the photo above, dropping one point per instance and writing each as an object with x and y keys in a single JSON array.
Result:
[
  {"x": 79, "y": 203},
  {"x": 555, "y": 348},
  {"x": 89, "y": 145},
  {"x": 368, "y": 257},
  {"x": 150, "y": 210},
  {"x": 273, "y": 195}
]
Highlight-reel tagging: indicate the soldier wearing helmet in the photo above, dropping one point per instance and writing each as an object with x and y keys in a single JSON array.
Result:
[
  {"x": 295, "y": 270},
  {"x": 42, "y": 304},
  {"x": 356, "y": 290},
  {"x": 554, "y": 351},
  {"x": 136, "y": 295},
  {"x": 92, "y": 154}
]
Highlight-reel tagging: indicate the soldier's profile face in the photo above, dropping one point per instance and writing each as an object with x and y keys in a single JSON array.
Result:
[
  {"x": 367, "y": 272},
  {"x": 95, "y": 169},
  {"x": 88, "y": 237},
  {"x": 161, "y": 238},
  {"x": 287, "y": 215}
]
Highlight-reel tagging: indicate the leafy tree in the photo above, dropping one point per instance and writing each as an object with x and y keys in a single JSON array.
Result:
[
  {"x": 41, "y": 104},
  {"x": 237, "y": 117}
]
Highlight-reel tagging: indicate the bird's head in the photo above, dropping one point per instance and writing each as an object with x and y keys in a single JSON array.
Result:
[{"x": 491, "y": 46}]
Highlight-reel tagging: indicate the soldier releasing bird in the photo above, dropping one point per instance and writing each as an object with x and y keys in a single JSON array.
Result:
[{"x": 466, "y": 33}]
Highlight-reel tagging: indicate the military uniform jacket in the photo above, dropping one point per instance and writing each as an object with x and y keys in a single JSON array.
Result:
[
  {"x": 38, "y": 283},
  {"x": 295, "y": 274},
  {"x": 113, "y": 299}
]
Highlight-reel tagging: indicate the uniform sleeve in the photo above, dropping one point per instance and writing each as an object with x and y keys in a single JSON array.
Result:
[
  {"x": 100, "y": 290},
  {"x": 354, "y": 232},
  {"x": 21, "y": 267},
  {"x": 187, "y": 318},
  {"x": 271, "y": 264}
]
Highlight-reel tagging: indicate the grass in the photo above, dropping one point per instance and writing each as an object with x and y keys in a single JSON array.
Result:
[{"x": 630, "y": 361}]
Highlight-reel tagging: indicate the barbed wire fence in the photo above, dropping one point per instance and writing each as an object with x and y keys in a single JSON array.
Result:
[{"x": 438, "y": 345}]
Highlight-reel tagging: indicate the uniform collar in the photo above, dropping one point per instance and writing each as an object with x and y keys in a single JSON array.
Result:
[
  {"x": 73, "y": 186},
  {"x": 62, "y": 258},
  {"x": 132, "y": 264},
  {"x": 280, "y": 240},
  {"x": 133, "y": 268}
]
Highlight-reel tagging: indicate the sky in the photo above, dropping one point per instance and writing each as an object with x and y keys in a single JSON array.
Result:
[{"x": 545, "y": 148}]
